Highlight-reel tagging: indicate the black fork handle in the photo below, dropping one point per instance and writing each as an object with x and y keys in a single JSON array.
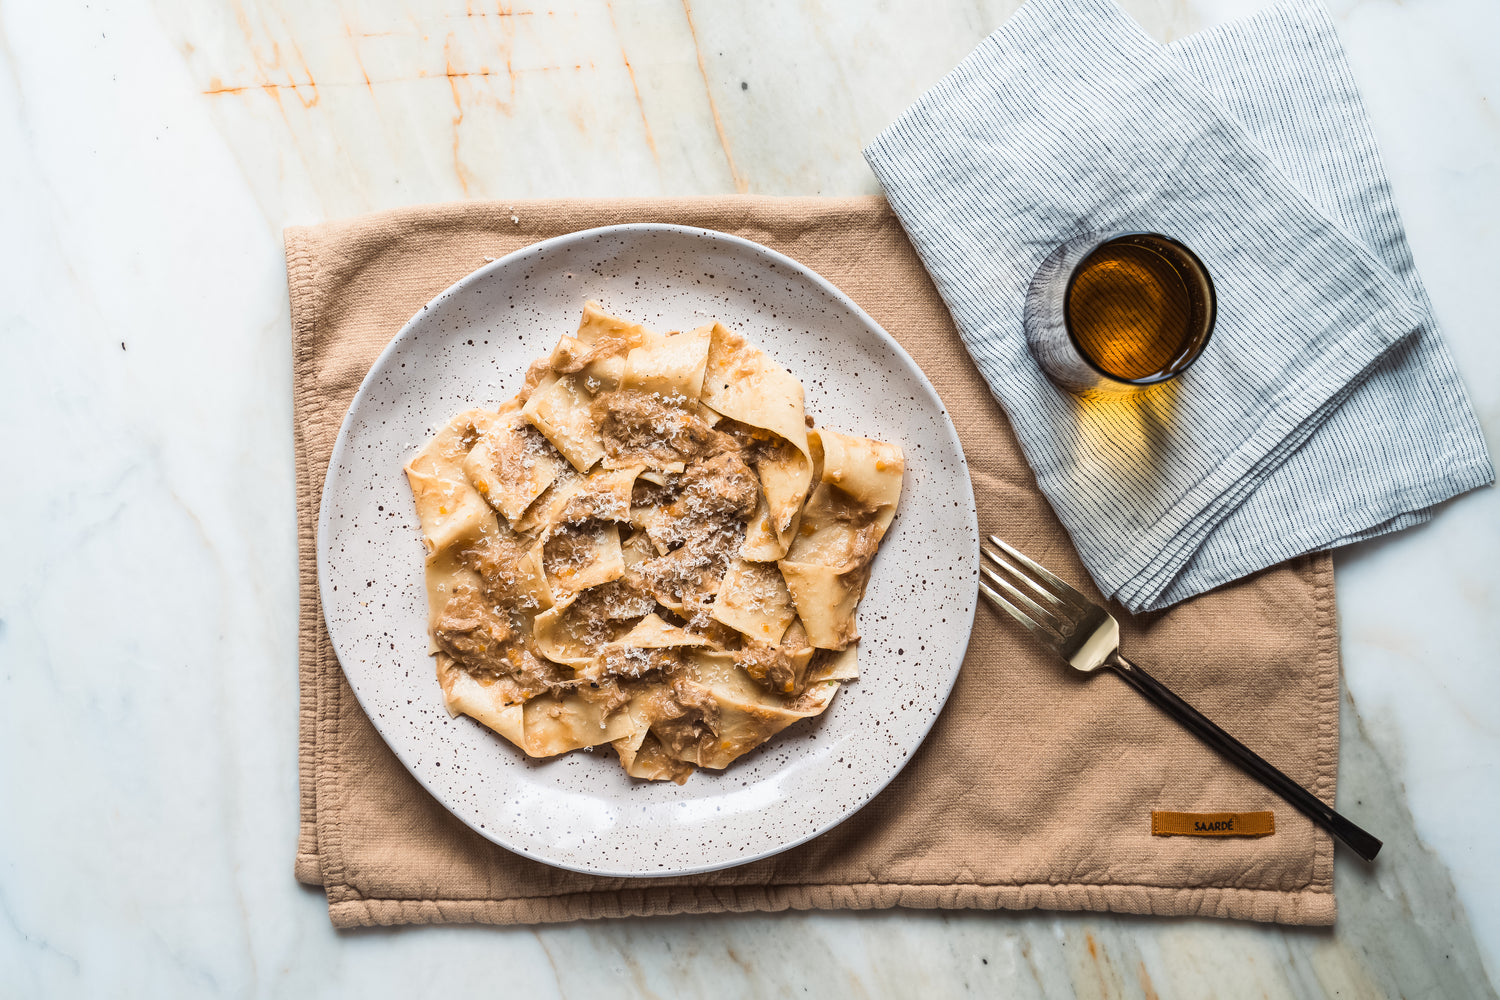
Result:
[{"x": 1308, "y": 804}]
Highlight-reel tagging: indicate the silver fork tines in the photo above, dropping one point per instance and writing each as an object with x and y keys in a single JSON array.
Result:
[
  {"x": 1080, "y": 631},
  {"x": 1088, "y": 637}
]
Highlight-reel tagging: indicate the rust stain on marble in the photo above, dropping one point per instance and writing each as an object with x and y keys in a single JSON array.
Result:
[
  {"x": 271, "y": 90},
  {"x": 354, "y": 46},
  {"x": 1110, "y": 983},
  {"x": 734, "y": 174},
  {"x": 1147, "y": 989},
  {"x": 217, "y": 86},
  {"x": 500, "y": 11},
  {"x": 640, "y": 105},
  {"x": 499, "y": 43},
  {"x": 267, "y": 70},
  {"x": 464, "y": 74},
  {"x": 306, "y": 71},
  {"x": 459, "y": 170}
]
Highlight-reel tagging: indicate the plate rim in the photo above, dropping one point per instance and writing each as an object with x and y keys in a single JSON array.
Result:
[{"x": 870, "y": 791}]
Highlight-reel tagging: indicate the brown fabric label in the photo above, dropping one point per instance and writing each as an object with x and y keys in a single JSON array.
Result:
[{"x": 1247, "y": 824}]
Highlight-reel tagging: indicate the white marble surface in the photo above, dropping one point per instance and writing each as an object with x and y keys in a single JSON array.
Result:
[{"x": 149, "y": 158}]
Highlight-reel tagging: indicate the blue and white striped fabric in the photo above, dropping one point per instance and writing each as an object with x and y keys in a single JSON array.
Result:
[{"x": 1326, "y": 409}]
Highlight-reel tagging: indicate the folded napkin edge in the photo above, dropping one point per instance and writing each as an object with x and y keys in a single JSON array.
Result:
[
  {"x": 1291, "y": 424},
  {"x": 1471, "y": 475}
]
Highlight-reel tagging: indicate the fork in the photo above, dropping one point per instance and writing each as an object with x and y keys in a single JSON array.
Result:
[{"x": 1088, "y": 638}]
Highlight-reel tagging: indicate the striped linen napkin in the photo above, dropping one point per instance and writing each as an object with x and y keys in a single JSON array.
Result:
[{"x": 1325, "y": 410}]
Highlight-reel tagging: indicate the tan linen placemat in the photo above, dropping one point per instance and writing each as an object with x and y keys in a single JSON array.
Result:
[{"x": 1036, "y": 786}]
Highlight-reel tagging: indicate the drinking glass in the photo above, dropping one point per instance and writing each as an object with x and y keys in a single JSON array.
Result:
[{"x": 1115, "y": 312}]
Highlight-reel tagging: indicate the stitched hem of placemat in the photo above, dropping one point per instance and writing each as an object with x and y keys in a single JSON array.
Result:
[
  {"x": 1326, "y": 787},
  {"x": 320, "y": 858},
  {"x": 301, "y": 290},
  {"x": 1303, "y": 906}
]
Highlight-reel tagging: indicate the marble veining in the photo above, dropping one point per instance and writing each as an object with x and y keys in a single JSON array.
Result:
[{"x": 151, "y": 156}]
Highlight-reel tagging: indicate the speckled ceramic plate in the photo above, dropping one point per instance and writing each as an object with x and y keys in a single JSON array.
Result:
[{"x": 470, "y": 347}]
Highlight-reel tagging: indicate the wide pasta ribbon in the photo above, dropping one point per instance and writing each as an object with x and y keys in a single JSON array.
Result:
[
  {"x": 603, "y": 565},
  {"x": 745, "y": 383},
  {"x": 845, "y": 518}
]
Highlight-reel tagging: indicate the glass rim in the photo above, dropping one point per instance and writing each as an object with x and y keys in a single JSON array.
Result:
[{"x": 1209, "y": 321}]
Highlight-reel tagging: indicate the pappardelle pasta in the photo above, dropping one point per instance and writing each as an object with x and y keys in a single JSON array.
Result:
[{"x": 650, "y": 546}]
